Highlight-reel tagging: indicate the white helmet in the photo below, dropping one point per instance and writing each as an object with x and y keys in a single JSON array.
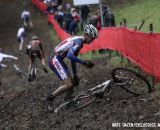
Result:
[{"x": 91, "y": 30}]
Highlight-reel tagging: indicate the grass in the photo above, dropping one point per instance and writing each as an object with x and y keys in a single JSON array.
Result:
[
  {"x": 52, "y": 34},
  {"x": 147, "y": 10}
]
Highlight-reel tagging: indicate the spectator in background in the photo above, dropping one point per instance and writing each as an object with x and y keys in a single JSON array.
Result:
[
  {"x": 67, "y": 6},
  {"x": 26, "y": 18},
  {"x": 51, "y": 6},
  {"x": 73, "y": 28},
  {"x": 67, "y": 17},
  {"x": 109, "y": 20},
  {"x": 96, "y": 20},
  {"x": 20, "y": 38},
  {"x": 47, "y": 1},
  {"x": 59, "y": 15},
  {"x": 84, "y": 11}
]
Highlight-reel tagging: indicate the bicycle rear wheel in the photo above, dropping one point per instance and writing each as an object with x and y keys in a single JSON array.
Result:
[
  {"x": 131, "y": 81},
  {"x": 33, "y": 72}
]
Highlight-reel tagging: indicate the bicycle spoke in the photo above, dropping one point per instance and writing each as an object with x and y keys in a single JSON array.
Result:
[{"x": 131, "y": 81}]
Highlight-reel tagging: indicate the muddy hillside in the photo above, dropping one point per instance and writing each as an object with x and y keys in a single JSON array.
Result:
[{"x": 21, "y": 105}]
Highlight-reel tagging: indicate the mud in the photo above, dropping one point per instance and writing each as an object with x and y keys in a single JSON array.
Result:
[{"x": 21, "y": 106}]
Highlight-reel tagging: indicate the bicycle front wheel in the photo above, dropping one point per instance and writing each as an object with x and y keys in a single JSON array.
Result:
[
  {"x": 131, "y": 81},
  {"x": 33, "y": 72}
]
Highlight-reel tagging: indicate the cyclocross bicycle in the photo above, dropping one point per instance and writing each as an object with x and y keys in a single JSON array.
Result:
[{"x": 129, "y": 80}]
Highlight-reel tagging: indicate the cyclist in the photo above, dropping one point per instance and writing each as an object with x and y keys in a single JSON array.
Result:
[
  {"x": 69, "y": 48},
  {"x": 35, "y": 47},
  {"x": 26, "y": 18},
  {"x": 20, "y": 38},
  {"x": 2, "y": 56}
]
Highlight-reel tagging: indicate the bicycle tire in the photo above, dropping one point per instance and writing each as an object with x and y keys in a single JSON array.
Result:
[
  {"x": 139, "y": 85},
  {"x": 33, "y": 72}
]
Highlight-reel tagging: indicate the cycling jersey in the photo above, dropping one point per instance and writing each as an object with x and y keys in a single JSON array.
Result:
[
  {"x": 68, "y": 48},
  {"x": 21, "y": 32},
  {"x": 20, "y": 35},
  {"x": 34, "y": 47},
  {"x": 25, "y": 15}
]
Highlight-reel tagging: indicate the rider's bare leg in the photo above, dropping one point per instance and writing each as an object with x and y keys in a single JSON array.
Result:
[
  {"x": 21, "y": 45},
  {"x": 29, "y": 66},
  {"x": 31, "y": 24},
  {"x": 44, "y": 65},
  {"x": 65, "y": 87},
  {"x": 43, "y": 62}
]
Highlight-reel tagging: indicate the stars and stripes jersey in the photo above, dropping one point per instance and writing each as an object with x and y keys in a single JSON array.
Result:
[{"x": 70, "y": 48}]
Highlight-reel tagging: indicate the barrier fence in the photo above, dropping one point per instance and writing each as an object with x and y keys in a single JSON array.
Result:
[{"x": 141, "y": 48}]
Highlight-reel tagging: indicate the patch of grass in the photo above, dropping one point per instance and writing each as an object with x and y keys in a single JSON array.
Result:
[
  {"x": 90, "y": 55},
  {"x": 53, "y": 36},
  {"x": 147, "y": 10}
]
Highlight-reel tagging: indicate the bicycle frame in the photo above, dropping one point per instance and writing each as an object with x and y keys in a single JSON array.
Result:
[{"x": 101, "y": 87}]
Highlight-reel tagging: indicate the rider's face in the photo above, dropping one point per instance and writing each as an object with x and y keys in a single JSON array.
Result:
[{"x": 89, "y": 39}]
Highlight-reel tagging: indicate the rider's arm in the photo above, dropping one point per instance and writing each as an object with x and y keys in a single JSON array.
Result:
[
  {"x": 73, "y": 64},
  {"x": 3, "y": 65},
  {"x": 41, "y": 48},
  {"x": 9, "y": 56},
  {"x": 71, "y": 54}
]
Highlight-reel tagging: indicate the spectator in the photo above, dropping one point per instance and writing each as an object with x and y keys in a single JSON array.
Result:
[
  {"x": 96, "y": 21},
  {"x": 59, "y": 15},
  {"x": 84, "y": 10},
  {"x": 67, "y": 6},
  {"x": 73, "y": 28},
  {"x": 51, "y": 6},
  {"x": 109, "y": 20},
  {"x": 67, "y": 20}
]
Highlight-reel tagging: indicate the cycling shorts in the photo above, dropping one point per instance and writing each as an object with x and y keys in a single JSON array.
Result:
[
  {"x": 59, "y": 67},
  {"x": 26, "y": 19},
  {"x": 33, "y": 54},
  {"x": 20, "y": 39}
]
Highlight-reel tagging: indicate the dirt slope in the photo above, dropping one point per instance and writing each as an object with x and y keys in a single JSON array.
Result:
[{"x": 21, "y": 107}]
